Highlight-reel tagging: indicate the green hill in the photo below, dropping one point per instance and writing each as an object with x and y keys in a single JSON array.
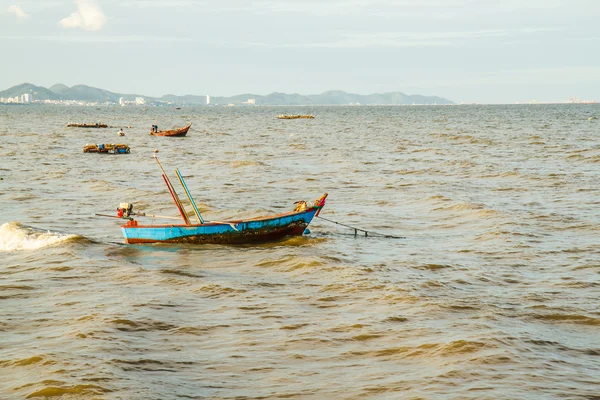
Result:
[
  {"x": 88, "y": 93},
  {"x": 332, "y": 97},
  {"x": 37, "y": 92},
  {"x": 63, "y": 92},
  {"x": 59, "y": 88}
]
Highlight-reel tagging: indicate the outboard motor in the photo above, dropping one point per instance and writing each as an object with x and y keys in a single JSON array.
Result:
[{"x": 124, "y": 210}]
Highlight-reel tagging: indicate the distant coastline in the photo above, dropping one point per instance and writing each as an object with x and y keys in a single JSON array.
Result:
[{"x": 82, "y": 95}]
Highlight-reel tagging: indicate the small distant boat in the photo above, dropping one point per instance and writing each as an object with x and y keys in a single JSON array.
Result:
[
  {"x": 106, "y": 148},
  {"x": 294, "y": 116},
  {"x": 173, "y": 132},
  {"x": 253, "y": 230},
  {"x": 96, "y": 125}
]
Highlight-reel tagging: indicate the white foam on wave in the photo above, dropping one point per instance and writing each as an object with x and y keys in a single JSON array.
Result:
[{"x": 14, "y": 236}]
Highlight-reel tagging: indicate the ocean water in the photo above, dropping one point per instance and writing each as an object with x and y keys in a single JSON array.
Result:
[{"x": 493, "y": 293}]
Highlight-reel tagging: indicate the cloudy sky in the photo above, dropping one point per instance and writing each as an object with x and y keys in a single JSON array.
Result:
[{"x": 485, "y": 51}]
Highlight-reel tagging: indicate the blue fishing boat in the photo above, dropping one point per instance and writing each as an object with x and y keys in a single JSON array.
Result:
[{"x": 253, "y": 230}]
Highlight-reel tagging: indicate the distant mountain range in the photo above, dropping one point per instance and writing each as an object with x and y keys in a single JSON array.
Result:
[{"x": 334, "y": 97}]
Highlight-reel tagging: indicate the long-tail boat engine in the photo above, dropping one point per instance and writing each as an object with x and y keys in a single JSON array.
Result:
[{"x": 124, "y": 210}]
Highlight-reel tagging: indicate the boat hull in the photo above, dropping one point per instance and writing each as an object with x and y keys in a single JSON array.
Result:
[
  {"x": 173, "y": 132},
  {"x": 233, "y": 232}
]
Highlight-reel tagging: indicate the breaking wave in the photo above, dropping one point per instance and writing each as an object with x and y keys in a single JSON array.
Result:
[{"x": 15, "y": 236}]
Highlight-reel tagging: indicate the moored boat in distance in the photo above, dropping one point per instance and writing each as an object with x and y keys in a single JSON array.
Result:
[
  {"x": 106, "y": 148},
  {"x": 295, "y": 116},
  {"x": 172, "y": 132},
  {"x": 96, "y": 125},
  {"x": 243, "y": 231}
]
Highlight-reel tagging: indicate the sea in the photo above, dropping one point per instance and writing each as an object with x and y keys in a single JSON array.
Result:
[{"x": 479, "y": 277}]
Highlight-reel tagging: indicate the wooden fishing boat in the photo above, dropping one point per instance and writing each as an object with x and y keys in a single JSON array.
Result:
[
  {"x": 98, "y": 125},
  {"x": 173, "y": 132},
  {"x": 253, "y": 230},
  {"x": 295, "y": 116}
]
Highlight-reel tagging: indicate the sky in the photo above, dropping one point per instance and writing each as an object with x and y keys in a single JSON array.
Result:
[{"x": 471, "y": 51}]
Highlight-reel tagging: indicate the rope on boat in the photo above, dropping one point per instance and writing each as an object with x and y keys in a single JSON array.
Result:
[{"x": 366, "y": 232}]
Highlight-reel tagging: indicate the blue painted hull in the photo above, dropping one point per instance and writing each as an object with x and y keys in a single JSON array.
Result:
[{"x": 232, "y": 232}]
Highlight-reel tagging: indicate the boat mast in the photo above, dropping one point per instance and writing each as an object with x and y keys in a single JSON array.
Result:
[
  {"x": 173, "y": 194},
  {"x": 189, "y": 195}
]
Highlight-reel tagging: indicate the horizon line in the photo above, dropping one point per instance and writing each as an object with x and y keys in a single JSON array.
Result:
[{"x": 239, "y": 94}]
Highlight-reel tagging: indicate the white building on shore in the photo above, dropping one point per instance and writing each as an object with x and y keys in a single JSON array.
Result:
[{"x": 22, "y": 99}]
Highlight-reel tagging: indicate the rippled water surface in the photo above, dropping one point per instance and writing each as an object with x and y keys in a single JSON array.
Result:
[{"x": 493, "y": 293}]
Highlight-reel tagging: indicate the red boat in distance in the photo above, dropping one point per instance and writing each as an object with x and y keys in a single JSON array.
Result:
[{"x": 173, "y": 132}]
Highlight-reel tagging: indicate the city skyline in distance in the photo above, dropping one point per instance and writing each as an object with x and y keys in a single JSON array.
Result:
[{"x": 83, "y": 94}]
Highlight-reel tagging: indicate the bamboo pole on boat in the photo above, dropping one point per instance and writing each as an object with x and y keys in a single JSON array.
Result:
[
  {"x": 176, "y": 200},
  {"x": 189, "y": 195},
  {"x": 173, "y": 193}
]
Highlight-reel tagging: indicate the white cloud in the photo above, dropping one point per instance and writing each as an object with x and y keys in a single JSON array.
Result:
[
  {"x": 18, "y": 11},
  {"x": 88, "y": 16}
]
